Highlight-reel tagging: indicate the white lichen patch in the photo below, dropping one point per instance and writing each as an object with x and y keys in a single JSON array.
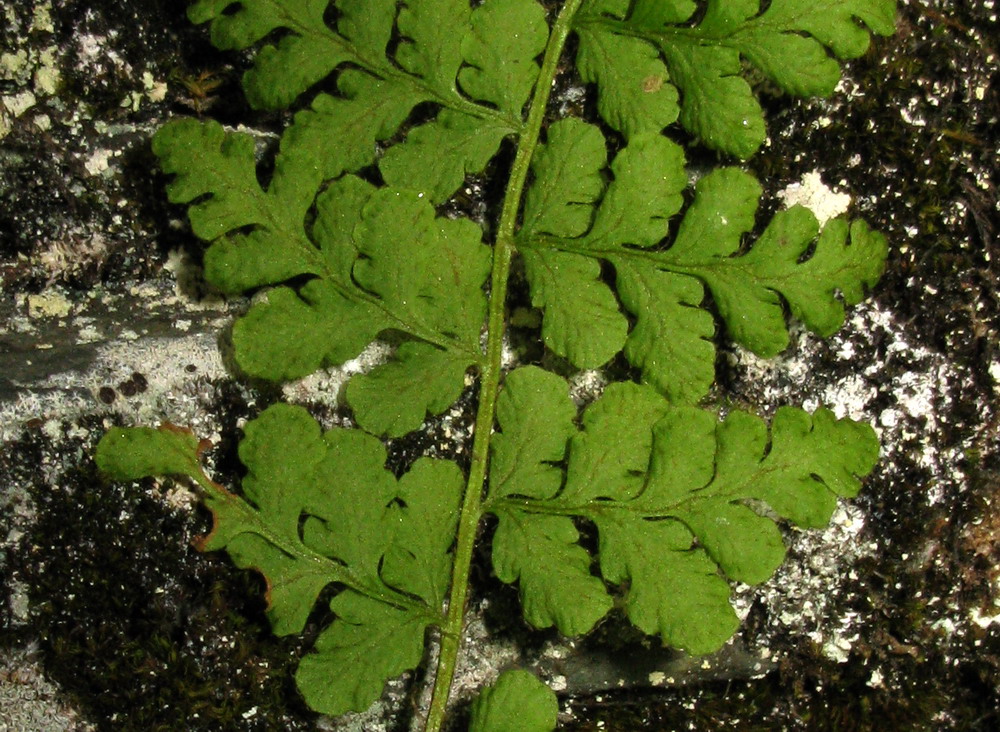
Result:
[
  {"x": 47, "y": 76},
  {"x": 921, "y": 390},
  {"x": 801, "y": 596},
  {"x": 915, "y": 383},
  {"x": 41, "y": 20},
  {"x": 481, "y": 660},
  {"x": 97, "y": 162},
  {"x": 162, "y": 361},
  {"x": 96, "y": 51},
  {"x": 70, "y": 254},
  {"x": 815, "y": 195},
  {"x": 67, "y": 387},
  {"x": 995, "y": 373},
  {"x": 31, "y": 68},
  {"x": 155, "y": 90},
  {"x": 28, "y": 701},
  {"x": 17, "y": 104},
  {"x": 13, "y": 64},
  {"x": 983, "y": 620},
  {"x": 326, "y": 385}
]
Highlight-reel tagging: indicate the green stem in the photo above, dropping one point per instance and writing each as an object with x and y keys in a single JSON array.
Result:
[
  {"x": 451, "y": 631},
  {"x": 661, "y": 259}
]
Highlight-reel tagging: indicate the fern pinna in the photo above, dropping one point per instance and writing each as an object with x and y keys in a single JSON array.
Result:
[{"x": 619, "y": 260}]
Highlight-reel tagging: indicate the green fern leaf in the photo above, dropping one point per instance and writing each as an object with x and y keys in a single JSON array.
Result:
[
  {"x": 355, "y": 233},
  {"x": 787, "y": 42},
  {"x": 320, "y": 509},
  {"x": 668, "y": 489},
  {"x": 515, "y": 695},
  {"x": 359, "y": 280},
  {"x": 438, "y": 155},
  {"x": 567, "y": 180},
  {"x": 307, "y": 54},
  {"x": 133, "y": 453},
  {"x": 636, "y": 95},
  {"x": 506, "y": 37},
  {"x": 670, "y": 341},
  {"x": 749, "y": 289},
  {"x": 372, "y": 639},
  {"x": 542, "y": 554},
  {"x": 582, "y": 319}
]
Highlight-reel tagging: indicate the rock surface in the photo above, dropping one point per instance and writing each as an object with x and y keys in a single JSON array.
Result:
[{"x": 889, "y": 619}]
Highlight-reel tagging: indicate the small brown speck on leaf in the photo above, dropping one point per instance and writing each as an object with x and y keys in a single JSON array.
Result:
[{"x": 652, "y": 83}]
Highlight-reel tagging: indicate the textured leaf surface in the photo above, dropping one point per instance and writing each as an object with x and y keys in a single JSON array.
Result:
[
  {"x": 582, "y": 319},
  {"x": 419, "y": 560},
  {"x": 367, "y": 644},
  {"x": 506, "y": 37},
  {"x": 718, "y": 106},
  {"x": 675, "y": 590},
  {"x": 791, "y": 263},
  {"x": 393, "y": 398},
  {"x": 206, "y": 160},
  {"x": 319, "y": 508},
  {"x": 563, "y": 248},
  {"x": 749, "y": 289},
  {"x": 542, "y": 554},
  {"x": 516, "y": 695},
  {"x": 567, "y": 180},
  {"x": 281, "y": 71},
  {"x": 361, "y": 284},
  {"x": 438, "y": 37},
  {"x": 130, "y": 453},
  {"x": 536, "y": 420},
  {"x": 635, "y": 94},
  {"x": 611, "y": 454},
  {"x": 438, "y": 155},
  {"x": 670, "y": 491},
  {"x": 367, "y": 110},
  {"x": 323, "y": 508},
  {"x": 644, "y": 193},
  {"x": 432, "y": 33},
  {"x": 472, "y": 69},
  {"x": 671, "y": 341},
  {"x": 788, "y": 42}
]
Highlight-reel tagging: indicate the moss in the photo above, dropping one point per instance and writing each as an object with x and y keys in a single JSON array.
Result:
[{"x": 138, "y": 628}]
